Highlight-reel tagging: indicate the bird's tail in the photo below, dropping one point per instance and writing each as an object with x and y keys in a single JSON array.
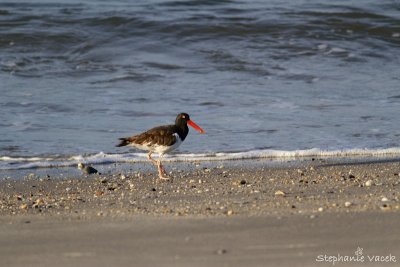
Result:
[{"x": 123, "y": 142}]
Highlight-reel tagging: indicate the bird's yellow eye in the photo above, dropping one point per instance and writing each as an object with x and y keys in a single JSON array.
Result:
[{"x": 183, "y": 117}]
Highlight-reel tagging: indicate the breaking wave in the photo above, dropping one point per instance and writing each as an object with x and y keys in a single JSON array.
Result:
[{"x": 15, "y": 163}]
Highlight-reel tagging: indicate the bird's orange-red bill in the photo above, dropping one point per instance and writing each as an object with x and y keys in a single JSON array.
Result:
[{"x": 194, "y": 125}]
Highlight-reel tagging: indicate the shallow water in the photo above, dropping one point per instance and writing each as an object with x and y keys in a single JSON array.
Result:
[{"x": 259, "y": 76}]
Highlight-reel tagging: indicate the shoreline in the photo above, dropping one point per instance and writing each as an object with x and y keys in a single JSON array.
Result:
[
  {"x": 110, "y": 168},
  {"x": 243, "y": 214}
]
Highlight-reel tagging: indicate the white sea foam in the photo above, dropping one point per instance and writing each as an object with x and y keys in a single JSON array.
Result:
[{"x": 9, "y": 163}]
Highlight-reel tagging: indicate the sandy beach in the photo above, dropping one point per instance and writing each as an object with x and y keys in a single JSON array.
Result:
[{"x": 216, "y": 214}]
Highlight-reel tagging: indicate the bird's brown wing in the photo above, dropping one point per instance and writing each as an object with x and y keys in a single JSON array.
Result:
[{"x": 162, "y": 135}]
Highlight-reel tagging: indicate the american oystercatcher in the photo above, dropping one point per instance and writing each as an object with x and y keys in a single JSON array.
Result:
[{"x": 161, "y": 140}]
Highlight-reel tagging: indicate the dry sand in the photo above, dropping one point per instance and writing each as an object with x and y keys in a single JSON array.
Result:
[{"x": 219, "y": 215}]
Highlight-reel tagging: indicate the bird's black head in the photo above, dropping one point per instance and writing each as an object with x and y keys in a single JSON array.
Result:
[{"x": 183, "y": 119}]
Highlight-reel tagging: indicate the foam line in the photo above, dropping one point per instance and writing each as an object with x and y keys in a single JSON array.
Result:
[{"x": 8, "y": 163}]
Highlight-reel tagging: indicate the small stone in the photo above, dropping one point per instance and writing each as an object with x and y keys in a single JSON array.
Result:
[
  {"x": 39, "y": 201},
  {"x": 113, "y": 187},
  {"x": 123, "y": 177},
  {"x": 368, "y": 183},
  {"x": 242, "y": 182},
  {"x": 221, "y": 251},
  {"x": 348, "y": 204},
  {"x": 23, "y": 206},
  {"x": 384, "y": 199},
  {"x": 99, "y": 193},
  {"x": 320, "y": 209},
  {"x": 351, "y": 176},
  {"x": 280, "y": 193},
  {"x": 229, "y": 212}
]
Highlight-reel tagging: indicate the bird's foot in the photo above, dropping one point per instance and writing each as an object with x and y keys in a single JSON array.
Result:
[
  {"x": 162, "y": 174},
  {"x": 164, "y": 177}
]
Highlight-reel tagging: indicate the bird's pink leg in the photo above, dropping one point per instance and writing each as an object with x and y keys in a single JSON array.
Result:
[
  {"x": 151, "y": 159},
  {"x": 162, "y": 174},
  {"x": 161, "y": 171}
]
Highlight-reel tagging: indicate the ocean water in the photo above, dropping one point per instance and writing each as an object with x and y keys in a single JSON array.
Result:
[{"x": 265, "y": 79}]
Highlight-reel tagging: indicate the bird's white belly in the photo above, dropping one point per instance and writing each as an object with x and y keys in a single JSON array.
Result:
[{"x": 160, "y": 149}]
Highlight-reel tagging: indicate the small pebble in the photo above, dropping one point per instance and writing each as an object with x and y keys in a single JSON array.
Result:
[
  {"x": 99, "y": 193},
  {"x": 385, "y": 207},
  {"x": 320, "y": 209},
  {"x": 368, "y": 183},
  {"x": 39, "y": 201},
  {"x": 221, "y": 251},
  {"x": 384, "y": 199},
  {"x": 348, "y": 204},
  {"x": 280, "y": 193}
]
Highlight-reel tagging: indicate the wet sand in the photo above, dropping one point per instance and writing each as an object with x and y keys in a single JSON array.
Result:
[{"x": 208, "y": 215}]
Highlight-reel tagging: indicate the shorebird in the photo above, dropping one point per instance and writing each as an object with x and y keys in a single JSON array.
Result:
[
  {"x": 87, "y": 169},
  {"x": 162, "y": 140}
]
